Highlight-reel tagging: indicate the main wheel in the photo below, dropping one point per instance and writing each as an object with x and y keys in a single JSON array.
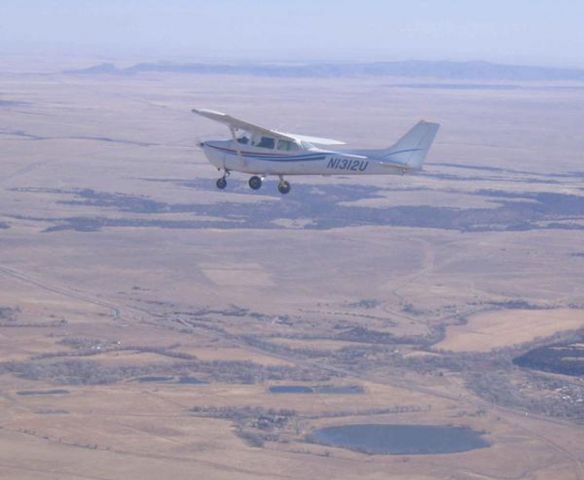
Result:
[
  {"x": 255, "y": 183},
  {"x": 221, "y": 183},
  {"x": 284, "y": 187}
]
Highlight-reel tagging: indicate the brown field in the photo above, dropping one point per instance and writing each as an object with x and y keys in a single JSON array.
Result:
[
  {"x": 486, "y": 331},
  {"x": 120, "y": 261}
]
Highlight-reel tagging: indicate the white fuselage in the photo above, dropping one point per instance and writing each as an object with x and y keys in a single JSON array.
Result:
[{"x": 231, "y": 155}]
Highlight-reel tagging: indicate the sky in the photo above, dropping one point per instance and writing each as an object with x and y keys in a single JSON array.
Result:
[{"x": 541, "y": 32}]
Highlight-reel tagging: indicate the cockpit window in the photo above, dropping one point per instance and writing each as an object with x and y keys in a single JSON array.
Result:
[
  {"x": 265, "y": 142},
  {"x": 307, "y": 146},
  {"x": 287, "y": 146},
  {"x": 243, "y": 140}
]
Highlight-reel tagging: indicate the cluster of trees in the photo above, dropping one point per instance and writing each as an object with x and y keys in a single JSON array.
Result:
[
  {"x": 536, "y": 393},
  {"x": 8, "y": 313},
  {"x": 281, "y": 349},
  {"x": 90, "y": 347},
  {"x": 241, "y": 414},
  {"x": 75, "y": 371},
  {"x": 564, "y": 358},
  {"x": 250, "y": 373},
  {"x": 254, "y": 425},
  {"x": 393, "y": 410}
]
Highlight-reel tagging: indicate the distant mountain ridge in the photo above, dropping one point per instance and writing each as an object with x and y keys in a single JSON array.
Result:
[{"x": 413, "y": 68}]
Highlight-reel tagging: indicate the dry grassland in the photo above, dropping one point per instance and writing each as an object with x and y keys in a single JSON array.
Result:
[
  {"x": 491, "y": 330},
  {"x": 121, "y": 262}
]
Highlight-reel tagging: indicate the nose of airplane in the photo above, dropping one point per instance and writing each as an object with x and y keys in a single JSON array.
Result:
[{"x": 201, "y": 144}]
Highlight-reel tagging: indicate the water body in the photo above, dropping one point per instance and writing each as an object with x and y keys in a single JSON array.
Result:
[
  {"x": 339, "y": 389},
  {"x": 189, "y": 381},
  {"x": 400, "y": 439},
  {"x": 180, "y": 380},
  {"x": 155, "y": 379},
  {"x": 322, "y": 389},
  {"x": 31, "y": 393},
  {"x": 291, "y": 389}
]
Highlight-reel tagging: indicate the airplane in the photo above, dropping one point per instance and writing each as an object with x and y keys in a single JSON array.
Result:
[{"x": 262, "y": 151}]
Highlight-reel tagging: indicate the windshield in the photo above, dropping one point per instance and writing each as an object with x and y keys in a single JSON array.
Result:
[{"x": 243, "y": 137}]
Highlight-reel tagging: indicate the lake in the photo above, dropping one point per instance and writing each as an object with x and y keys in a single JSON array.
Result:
[{"x": 400, "y": 439}]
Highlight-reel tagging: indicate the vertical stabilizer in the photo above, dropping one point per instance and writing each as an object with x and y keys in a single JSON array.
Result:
[{"x": 412, "y": 148}]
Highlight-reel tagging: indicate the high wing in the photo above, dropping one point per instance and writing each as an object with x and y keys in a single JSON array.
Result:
[
  {"x": 310, "y": 139},
  {"x": 236, "y": 123}
]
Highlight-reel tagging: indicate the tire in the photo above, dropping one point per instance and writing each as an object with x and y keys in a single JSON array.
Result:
[
  {"x": 284, "y": 187},
  {"x": 221, "y": 183},
  {"x": 255, "y": 183}
]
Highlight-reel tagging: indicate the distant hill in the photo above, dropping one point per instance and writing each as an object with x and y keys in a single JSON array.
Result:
[{"x": 437, "y": 70}]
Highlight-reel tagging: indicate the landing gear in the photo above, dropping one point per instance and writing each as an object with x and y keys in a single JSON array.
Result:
[
  {"x": 221, "y": 183},
  {"x": 283, "y": 187},
  {"x": 255, "y": 183}
]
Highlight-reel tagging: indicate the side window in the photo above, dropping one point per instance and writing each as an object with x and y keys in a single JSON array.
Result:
[
  {"x": 287, "y": 146},
  {"x": 266, "y": 142}
]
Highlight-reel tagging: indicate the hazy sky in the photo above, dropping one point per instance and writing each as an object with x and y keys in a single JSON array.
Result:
[{"x": 512, "y": 31}]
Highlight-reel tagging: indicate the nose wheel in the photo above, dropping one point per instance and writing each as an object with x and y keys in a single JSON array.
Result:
[
  {"x": 221, "y": 183},
  {"x": 284, "y": 187}
]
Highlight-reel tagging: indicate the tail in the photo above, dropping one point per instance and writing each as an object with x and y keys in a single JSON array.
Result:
[{"x": 412, "y": 148}]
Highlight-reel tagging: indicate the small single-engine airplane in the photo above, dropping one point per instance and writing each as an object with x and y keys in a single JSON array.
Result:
[{"x": 261, "y": 152}]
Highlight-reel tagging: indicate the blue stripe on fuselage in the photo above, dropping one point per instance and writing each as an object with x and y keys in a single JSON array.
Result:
[{"x": 298, "y": 158}]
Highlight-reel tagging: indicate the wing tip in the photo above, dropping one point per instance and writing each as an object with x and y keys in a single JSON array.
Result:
[
  {"x": 432, "y": 124},
  {"x": 207, "y": 111}
]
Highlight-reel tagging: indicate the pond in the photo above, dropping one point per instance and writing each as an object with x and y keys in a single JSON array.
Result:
[
  {"x": 322, "y": 389},
  {"x": 291, "y": 389},
  {"x": 340, "y": 389},
  {"x": 155, "y": 379},
  {"x": 34, "y": 393},
  {"x": 189, "y": 381},
  {"x": 173, "y": 380},
  {"x": 400, "y": 439}
]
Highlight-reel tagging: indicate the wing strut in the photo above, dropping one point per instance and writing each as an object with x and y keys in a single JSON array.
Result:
[{"x": 237, "y": 147}]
